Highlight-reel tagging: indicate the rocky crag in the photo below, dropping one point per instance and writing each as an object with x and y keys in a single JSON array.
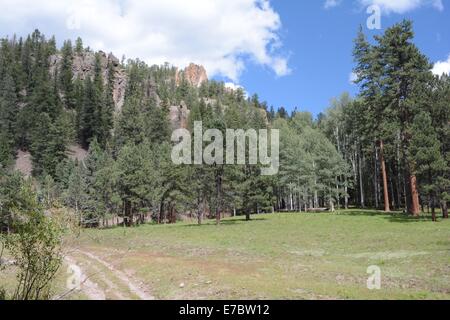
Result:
[{"x": 84, "y": 65}]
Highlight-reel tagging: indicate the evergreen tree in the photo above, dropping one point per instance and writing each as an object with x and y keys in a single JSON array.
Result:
[
  {"x": 425, "y": 151},
  {"x": 49, "y": 145},
  {"x": 393, "y": 76},
  {"x": 79, "y": 46},
  {"x": 130, "y": 125},
  {"x": 8, "y": 106},
  {"x": 66, "y": 75},
  {"x": 87, "y": 122}
]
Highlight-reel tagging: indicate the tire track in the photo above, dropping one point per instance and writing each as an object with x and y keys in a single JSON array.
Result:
[
  {"x": 132, "y": 285},
  {"x": 91, "y": 289}
]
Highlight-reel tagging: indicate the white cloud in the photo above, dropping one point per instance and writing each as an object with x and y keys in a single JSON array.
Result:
[
  {"x": 222, "y": 35},
  {"x": 331, "y": 3},
  {"x": 352, "y": 77},
  {"x": 442, "y": 67},
  {"x": 402, "y": 6},
  {"x": 233, "y": 86}
]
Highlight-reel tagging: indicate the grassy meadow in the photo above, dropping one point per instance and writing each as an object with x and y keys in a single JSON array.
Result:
[{"x": 279, "y": 256}]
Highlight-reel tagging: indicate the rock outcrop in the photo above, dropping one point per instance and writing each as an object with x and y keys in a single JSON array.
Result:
[
  {"x": 194, "y": 74},
  {"x": 84, "y": 66},
  {"x": 179, "y": 115},
  {"x": 77, "y": 153},
  {"x": 23, "y": 163}
]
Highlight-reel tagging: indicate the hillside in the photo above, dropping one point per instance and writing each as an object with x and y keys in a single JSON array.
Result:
[
  {"x": 84, "y": 65},
  {"x": 95, "y": 134}
]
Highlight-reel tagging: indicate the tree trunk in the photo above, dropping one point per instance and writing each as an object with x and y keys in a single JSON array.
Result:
[
  {"x": 199, "y": 217},
  {"x": 161, "y": 213},
  {"x": 354, "y": 160},
  {"x": 444, "y": 210},
  {"x": 247, "y": 215},
  {"x": 433, "y": 209},
  {"x": 400, "y": 201},
  {"x": 199, "y": 212},
  {"x": 385, "y": 179},
  {"x": 393, "y": 202},
  {"x": 219, "y": 198},
  {"x": 415, "y": 203},
  {"x": 131, "y": 215},
  {"x": 173, "y": 214},
  {"x": 316, "y": 196},
  {"x": 127, "y": 214},
  {"x": 316, "y": 200},
  {"x": 411, "y": 193},
  {"x": 291, "y": 199},
  {"x": 346, "y": 194},
  {"x": 361, "y": 187},
  {"x": 375, "y": 180}
]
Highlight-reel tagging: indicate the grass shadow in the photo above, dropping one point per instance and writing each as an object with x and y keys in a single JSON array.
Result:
[
  {"x": 395, "y": 216},
  {"x": 226, "y": 222},
  {"x": 362, "y": 213},
  {"x": 403, "y": 218}
]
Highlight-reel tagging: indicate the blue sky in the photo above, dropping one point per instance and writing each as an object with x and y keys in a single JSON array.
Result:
[
  {"x": 320, "y": 43},
  {"x": 291, "y": 53}
]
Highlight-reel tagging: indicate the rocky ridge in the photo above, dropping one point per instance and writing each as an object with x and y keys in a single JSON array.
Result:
[
  {"x": 84, "y": 65},
  {"x": 194, "y": 74}
]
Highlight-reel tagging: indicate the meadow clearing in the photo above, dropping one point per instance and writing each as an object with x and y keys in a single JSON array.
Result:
[{"x": 276, "y": 256}]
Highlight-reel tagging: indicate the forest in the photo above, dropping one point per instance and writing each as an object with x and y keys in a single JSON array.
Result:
[{"x": 387, "y": 148}]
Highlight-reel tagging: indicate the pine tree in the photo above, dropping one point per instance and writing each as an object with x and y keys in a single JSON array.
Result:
[
  {"x": 75, "y": 195},
  {"x": 10, "y": 185},
  {"x": 130, "y": 124},
  {"x": 79, "y": 106},
  {"x": 66, "y": 75},
  {"x": 79, "y": 46},
  {"x": 393, "y": 75},
  {"x": 87, "y": 115},
  {"x": 8, "y": 105},
  {"x": 425, "y": 152},
  {"x": 49, "y": 145},
  {"x": 97, "y": 187},
  {"x": 370, "y": 77},
  {"x": 157, "y": 124},
  {"x": 8, "y": 120}
]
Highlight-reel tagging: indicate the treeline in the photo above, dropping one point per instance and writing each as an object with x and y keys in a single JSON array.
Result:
[
  {"x": 128, "y": 172},
  {"x": 386, "y": 149}
]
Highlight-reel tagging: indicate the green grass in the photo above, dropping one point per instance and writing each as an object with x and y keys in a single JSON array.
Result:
[
  {"x": 278, "y": 256},
  {"x": 284, "y": 256}
]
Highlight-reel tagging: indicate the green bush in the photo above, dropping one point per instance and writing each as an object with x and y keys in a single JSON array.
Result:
[{"x": 35, "y": 246}]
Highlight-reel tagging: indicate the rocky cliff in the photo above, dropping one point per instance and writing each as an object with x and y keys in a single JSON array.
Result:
[
  {"x": 84, "y": 65},
  {"x": 194, "y": 74},
  {"x": 179, "y": 116}
]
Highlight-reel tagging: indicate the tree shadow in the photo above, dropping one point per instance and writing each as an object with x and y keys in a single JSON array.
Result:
[
  {"x": 396, "y": 216},
  {"x": 228, "y": 222},
  {"x": 242, "y": 220},
  {"x": 362, "y": 213},
  {"x": 403, "y": 218}
]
